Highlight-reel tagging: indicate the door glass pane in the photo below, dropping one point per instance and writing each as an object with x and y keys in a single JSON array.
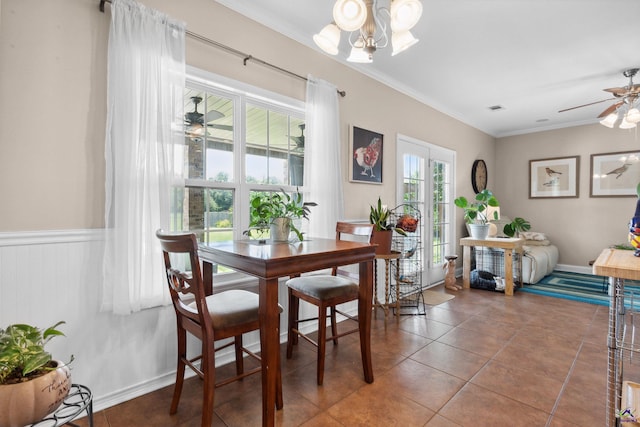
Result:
[{"x": 441, "y": 214}]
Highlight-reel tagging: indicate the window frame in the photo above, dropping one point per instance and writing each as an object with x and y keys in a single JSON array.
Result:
[{"x": 241, "y": 94}]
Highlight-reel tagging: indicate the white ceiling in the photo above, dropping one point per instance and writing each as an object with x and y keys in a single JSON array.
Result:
[{"x": 532, "y": 57}]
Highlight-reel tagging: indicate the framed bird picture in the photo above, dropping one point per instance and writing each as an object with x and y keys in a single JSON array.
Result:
[
  {"x": 554, "y": 178},
  {"x": 366, "y": 156},
  {"x": 615, "y": 174}
]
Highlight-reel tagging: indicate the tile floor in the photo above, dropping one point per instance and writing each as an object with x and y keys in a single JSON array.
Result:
[{"x": 480, "y": 359}]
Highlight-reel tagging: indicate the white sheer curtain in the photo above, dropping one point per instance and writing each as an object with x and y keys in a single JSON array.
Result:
[
  {"x": 322, "y": 171},
  {"x": 146, "y": 80}
]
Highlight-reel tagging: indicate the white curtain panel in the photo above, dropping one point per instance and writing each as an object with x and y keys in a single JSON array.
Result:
[
  {"x": 322, "y": 171},
  {"x": 146, "y": 80}
]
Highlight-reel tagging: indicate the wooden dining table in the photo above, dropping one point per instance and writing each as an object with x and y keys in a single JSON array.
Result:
[{"x": 269, "y": 262}]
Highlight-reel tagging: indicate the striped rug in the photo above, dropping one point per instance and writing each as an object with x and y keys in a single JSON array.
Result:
[{"x": 579, "y": 287}]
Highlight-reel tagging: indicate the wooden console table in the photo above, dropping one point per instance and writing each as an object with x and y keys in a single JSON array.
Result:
[{"x": 508, "y": 244}]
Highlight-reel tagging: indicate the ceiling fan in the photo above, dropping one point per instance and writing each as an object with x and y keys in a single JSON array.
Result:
[
  {"x": 299, "y": 140},
  {"x": 195, "y": 120},
  {"x": 626, "y": 103}
]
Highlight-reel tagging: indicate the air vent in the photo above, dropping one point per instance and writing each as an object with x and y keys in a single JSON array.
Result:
[{"x": 496, "y": 108}]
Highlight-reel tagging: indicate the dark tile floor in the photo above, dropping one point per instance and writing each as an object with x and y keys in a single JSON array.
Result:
[{"x": 480, "y": 359}]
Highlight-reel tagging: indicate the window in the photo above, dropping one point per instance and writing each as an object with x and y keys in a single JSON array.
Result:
[{"x": 238, "y": 140}]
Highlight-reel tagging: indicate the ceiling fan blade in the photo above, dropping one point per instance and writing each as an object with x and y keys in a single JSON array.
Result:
[
  {"x": 213, "y": 115},
  {"x": 611, "y": 109},
  {"x": 617, "y": 91},
  {"x": 221, "y": 127},
  {"x": 586, "y": 105}
]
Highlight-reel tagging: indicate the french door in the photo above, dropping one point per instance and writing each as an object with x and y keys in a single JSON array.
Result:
[{"x": 425, "y": 175}]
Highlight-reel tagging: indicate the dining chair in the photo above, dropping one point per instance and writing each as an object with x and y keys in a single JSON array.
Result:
[
  {"x": 211, "y": 318},
  {"x": 325, "y": 291}
]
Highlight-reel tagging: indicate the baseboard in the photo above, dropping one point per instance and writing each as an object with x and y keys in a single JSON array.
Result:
[{"x": 574, "y": 268}]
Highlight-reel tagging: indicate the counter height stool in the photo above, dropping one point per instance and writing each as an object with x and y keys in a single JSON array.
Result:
[
  {"x": 324, "y": 291},
  {"x": 210, "y": 318}
]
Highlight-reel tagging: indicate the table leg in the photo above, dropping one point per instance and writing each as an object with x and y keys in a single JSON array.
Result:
[
  {"x": 466, "y": 267},
  {"x": 508, "y": 272},
  {"x": 364, "y": 317},
  {"x": 270, "y": 346},
  {"x": 386, "y": 287}
]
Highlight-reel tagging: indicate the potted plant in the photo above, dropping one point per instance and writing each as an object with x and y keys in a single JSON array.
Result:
[
  {"x": 32, "y": 384},
  {"x": 276, "y": 211},
  {"x": 516, "y": 226},
  {"x": 475, "y": 213},
  {"x": 379, "y": 216}
]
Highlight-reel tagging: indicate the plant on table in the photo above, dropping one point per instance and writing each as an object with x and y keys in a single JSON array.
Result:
[
  {"x": 379, "y": 216},
  {"x": 516, "y": 226},
  {"x": 476, "y": 212},
  {"x": 266, "y": 207}
]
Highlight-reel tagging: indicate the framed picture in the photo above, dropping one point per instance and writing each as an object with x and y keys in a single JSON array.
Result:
[
  {"x": 615, "y": 174},
  {"x": 554, "y": 178},
  {"x": 366, "y": 156}
]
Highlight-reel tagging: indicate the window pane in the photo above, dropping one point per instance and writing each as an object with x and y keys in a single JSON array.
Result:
[
  {"x": 208, "y": 213},
  {"x": 275, "y": 147},
  {"x": 209, "y": 136},
  {"x": 220, "y": 138}
]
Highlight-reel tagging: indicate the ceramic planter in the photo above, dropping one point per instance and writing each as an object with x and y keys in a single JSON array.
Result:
[
  {"x": 28, "y": 402},
  {"x": 280, "y": 229},
  {"x": 479, "y": 231}
]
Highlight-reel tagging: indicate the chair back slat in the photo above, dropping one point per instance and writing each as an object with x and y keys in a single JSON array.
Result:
[
  {"x": 185, "y": 286},
  {"x": 354, "y": 229},
  {"x": 361, "y": 232}
]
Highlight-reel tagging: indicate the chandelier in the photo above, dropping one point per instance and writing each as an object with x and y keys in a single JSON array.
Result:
[{"x": 367, "y": 28}]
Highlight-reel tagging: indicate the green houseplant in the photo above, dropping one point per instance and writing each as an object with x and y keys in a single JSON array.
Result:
[
  {"x": 379, "y": 216},
  {"x": 276, "y": 211},
  {"x": 476, "y": 212},
  {"x": 32, "y": 384},
  {"x": 516, "y": 226}
]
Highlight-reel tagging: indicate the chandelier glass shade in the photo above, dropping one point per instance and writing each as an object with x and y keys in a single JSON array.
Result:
[{"x": 367, "y": 27}]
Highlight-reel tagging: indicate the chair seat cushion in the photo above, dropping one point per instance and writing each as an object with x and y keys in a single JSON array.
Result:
[
  {"x": 233, "y": 307},
  {"x": 324, "y": 287}
]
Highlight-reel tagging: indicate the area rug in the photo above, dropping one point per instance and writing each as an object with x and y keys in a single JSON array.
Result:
[
  {"x": 578, "y": 287},
  {"x": 435, "y": 297}
]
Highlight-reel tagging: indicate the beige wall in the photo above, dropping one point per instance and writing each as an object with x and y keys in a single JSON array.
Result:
[
  {"x": 52, "y": 111},
  {"x": 580, "y": 227}
]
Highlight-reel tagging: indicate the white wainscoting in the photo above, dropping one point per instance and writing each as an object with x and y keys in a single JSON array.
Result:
[{"x": 56, "y": 275}]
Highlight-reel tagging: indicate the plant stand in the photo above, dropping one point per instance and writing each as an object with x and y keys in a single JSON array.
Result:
[
  {"x": 78, "y": 400},
  {"x": 406, "y": 287}
]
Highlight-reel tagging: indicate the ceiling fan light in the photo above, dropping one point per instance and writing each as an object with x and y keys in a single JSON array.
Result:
[
  {"x": 405, "y": 14},
  {"x": 610, "y": 120},
  {"x": 349, "y": 15},
  {"x": 632, "y": 116},
  {"x": 328, "y": 39},
  {"x": 624, "y": 124},
  {"x": 401, "y": 41}
]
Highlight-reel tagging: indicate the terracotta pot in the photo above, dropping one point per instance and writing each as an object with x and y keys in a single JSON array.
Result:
[
  {"x": 383, "y": 240},
  {"x": 28, "y": 402}
]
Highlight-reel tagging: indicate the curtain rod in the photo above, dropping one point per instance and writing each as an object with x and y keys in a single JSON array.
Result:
[{"x": 246, "y": 57}]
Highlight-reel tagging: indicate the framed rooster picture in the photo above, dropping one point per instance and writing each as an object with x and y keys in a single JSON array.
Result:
[{"x": 366, "y": 156}]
